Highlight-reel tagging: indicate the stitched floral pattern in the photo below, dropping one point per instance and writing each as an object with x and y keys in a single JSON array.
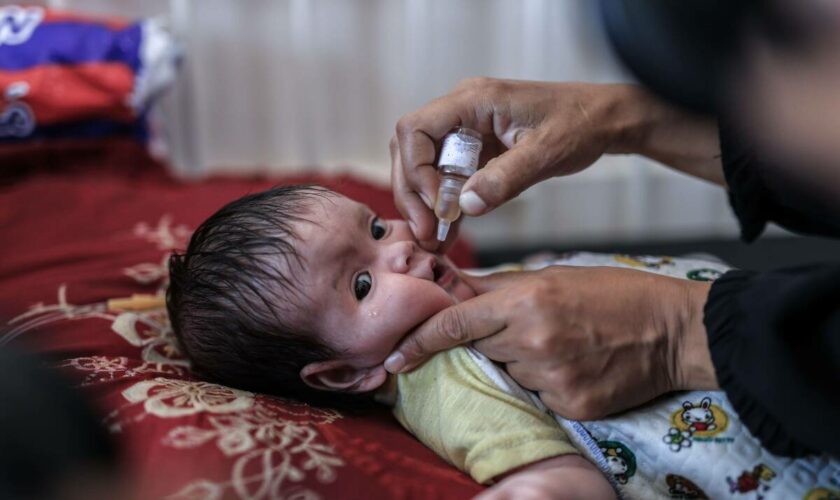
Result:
[{"x": 275, "y": 445}]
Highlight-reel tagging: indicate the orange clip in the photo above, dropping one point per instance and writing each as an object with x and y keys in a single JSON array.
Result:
[{"x": 137, "y": 302}]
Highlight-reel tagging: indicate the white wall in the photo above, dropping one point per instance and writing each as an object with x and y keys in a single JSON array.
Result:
[{"x": 284, "y": 85}]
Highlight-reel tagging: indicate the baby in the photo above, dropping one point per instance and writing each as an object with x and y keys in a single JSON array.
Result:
[{"x": 303, "y": 293}]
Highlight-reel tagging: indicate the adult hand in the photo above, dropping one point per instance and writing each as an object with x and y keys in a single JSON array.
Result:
[
  {"x": 591, "y": 341},
  {"x": 531, "y": 131}
]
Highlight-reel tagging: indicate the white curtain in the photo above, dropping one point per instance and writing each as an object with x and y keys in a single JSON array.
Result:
[{"x": 286, "y": 85}]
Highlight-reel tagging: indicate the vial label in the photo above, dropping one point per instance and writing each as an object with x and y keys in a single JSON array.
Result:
[{"x": 457, "y": 152}]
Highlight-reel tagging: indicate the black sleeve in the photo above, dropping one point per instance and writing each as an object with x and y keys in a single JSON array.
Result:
[
  {"x": 775, "y": 343},
  {"x": 761, "y": 192}
]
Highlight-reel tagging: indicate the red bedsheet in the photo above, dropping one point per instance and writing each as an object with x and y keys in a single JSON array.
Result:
[{"x": 78, "y": 228}]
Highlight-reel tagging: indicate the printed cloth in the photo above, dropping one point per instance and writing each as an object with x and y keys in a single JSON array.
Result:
[{"x": 685, "y": 445}]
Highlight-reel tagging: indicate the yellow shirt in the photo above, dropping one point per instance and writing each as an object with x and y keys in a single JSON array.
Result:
[{"x": 456, "y": 410}]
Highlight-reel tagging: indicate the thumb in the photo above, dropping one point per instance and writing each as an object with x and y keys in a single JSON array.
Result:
[
  {"x": 468, "y": 321},
  {"x": 505, "y": 176}
]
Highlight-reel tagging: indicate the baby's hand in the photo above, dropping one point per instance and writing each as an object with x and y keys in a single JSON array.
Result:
[
  {"x": 564, "y": 478},
  {"x": 525, "y": 486}
]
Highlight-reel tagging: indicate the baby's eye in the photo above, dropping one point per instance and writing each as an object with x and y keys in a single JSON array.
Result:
[
  {"x": 362, "y": 285},
  {"x": 377, "y": 228}
]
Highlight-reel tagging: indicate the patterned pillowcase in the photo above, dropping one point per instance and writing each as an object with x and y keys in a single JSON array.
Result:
[{"x": 72, "y": 242}]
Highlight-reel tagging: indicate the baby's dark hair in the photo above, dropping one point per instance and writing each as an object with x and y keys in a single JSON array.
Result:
[{"x": 235, "y": 304}]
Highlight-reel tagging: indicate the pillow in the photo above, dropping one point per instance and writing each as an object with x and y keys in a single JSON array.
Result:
[
  {"x": 87, "y": 231},
  {"x": 67, "y": 76}
]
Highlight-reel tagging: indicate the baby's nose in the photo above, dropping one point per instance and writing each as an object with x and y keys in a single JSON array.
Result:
[{"x": 401, "y": 254}]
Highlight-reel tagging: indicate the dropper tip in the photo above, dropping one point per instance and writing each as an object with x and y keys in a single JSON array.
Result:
[{"x": 442, "y": 230}]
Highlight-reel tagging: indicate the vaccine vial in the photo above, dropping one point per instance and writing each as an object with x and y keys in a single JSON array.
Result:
[{"x": 458, "y": 162}]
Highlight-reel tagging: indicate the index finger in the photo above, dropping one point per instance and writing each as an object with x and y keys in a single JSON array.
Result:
[
  {"x": 416, "y": 211},
  {"x": 420, "y": 131},
  {"x": 470, "y": 320},
  {"x": 417, "y": 136}
]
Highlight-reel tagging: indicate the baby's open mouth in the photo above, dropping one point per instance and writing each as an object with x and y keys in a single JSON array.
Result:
[
  {"x": 443, "y": 274},
  {"x": 437, "y": 270}
]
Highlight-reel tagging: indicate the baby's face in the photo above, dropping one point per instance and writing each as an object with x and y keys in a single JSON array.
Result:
[{"x": 372, "y": 282}]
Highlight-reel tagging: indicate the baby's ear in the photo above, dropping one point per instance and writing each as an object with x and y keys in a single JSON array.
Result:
[{"x": 337, "y": 375}]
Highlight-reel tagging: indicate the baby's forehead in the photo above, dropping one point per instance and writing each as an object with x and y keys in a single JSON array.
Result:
[
  {"x": 332, "y": 226},
  {"x": 332, "y": 213},
  {"x": 327, "y": 203}
]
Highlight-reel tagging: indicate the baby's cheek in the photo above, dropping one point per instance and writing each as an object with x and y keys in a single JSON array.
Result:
[
  {"x": 389, "y": 321},
  {"x": 415, "y": 304},
  {"x": 413, "y": 310}
]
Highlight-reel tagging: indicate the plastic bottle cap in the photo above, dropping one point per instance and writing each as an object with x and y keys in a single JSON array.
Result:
[{"x": 443, "y": 229}]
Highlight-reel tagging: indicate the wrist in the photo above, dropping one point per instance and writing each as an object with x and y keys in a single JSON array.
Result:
[
  {"x": 693, "y": 365},
  {"x": 636, "y": 116},
  {"x": 678, "y": 138}
]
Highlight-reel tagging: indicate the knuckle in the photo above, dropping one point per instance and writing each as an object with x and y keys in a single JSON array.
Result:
[
  {"x": 537, "y": 302},
  {"x": 473, "y": 82},
  {"x": 544, "y": 287},
  {"x": 531, "y": 297},
  {"x": 558, "y": 380},
  {"x": 406, "y": 125},
  {"x": 494, "y": 88},
  {"x": 539, "y": 340},
  {"x": 482, "y": 87},
  {"x": 453, "y": 326}
]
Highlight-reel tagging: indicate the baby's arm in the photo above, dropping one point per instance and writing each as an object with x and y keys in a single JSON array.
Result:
[
  {"x": 565, "y": 477},
  {"x": 454, "y": 408}
]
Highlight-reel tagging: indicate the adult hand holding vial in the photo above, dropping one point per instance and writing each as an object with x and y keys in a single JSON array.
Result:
[{"x": 530, "y": 132}]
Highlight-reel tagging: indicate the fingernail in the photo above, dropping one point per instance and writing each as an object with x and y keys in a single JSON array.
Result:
[
  {"x": 413, "y": 227},
  {"x": 471, "y": 203},
  {"x": 395, "y": 362},
  {"x": 426, "y": 200}
]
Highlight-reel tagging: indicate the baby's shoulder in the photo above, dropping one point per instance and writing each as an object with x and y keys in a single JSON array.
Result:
[
  {"x": 461, "y": 373},
  {"x": 460, "y": 363}
]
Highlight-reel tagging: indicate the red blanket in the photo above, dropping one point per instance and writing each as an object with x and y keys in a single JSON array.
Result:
[{"x": 78, "y": 228}]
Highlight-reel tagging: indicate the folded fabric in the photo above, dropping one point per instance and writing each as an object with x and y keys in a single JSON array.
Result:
[
  {"x": 64, "y": 75},
  {"x": 682, "y": 445}
]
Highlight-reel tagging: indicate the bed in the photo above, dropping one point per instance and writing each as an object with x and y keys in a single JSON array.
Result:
[
  {"x": 88, "y": 219},
  {"x": 82, "y": 224}
]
